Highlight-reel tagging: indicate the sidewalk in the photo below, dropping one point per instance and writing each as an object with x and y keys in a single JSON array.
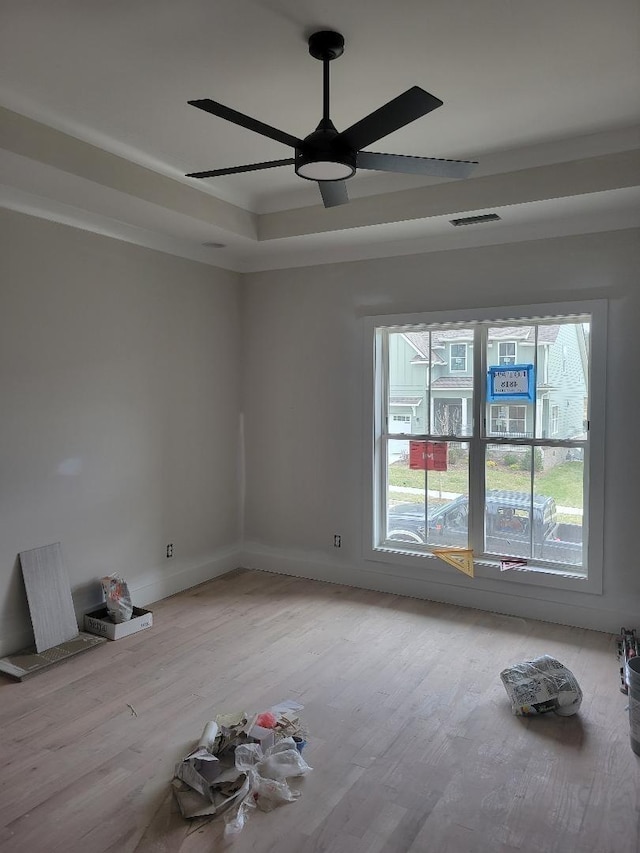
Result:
[{"x": 564, "y": 510}]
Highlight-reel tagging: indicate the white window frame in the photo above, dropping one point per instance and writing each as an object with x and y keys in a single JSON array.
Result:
[
  {"x": 554, "y": 419},
  {"x": 487, "y": 571},
  {"x": 453, "y": 369}
]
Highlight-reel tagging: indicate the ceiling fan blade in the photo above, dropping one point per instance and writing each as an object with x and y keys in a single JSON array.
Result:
[
  {"x": 232, "y": 170},
  {"x": 404, "y": 109},
  {"x": 227, "y": 113},
  {"x": 333, "y": 193},
  {"x": 432, "y": 166}
]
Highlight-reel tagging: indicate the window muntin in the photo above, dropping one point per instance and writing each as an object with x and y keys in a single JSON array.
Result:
[{"x": 479, "y": 443}]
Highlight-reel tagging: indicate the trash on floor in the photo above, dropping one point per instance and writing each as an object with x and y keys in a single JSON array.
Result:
[
  {"x": 118, "y": 598},
  {"x": 100, "y": 622},
  {"x": 541, "y": 685},
  {"x": 242, "y": 761}
]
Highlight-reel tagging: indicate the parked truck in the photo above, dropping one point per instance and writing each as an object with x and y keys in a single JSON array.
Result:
[{"x": 515, "y": 526}]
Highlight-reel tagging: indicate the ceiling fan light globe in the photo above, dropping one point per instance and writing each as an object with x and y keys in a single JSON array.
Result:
[{"x": 325, "y": 170}]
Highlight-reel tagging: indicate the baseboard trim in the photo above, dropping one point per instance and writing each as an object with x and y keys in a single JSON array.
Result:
[
  {"x": 145, "y": 589},
  {"x": 151, "y": 587},
  {"x": 314, "y": 567}
]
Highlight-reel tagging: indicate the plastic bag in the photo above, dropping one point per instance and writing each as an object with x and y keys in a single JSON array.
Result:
[
  {"x": 118, "y": 598},
  {"x": 236, "y": 817},
  {"x": 283, "y": 761},
  {"x": 269, "y": 793},
  {"x": 541, "y": 685},
  {"x": 267, "y": 773}
]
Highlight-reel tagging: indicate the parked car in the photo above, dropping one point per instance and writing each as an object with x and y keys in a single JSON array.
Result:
[{"x": 508, "y": 527}]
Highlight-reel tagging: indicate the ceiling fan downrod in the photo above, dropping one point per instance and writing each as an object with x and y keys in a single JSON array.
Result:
[
  {"x": 326, "y": 46},
  {"x": 319, "y": 158}
]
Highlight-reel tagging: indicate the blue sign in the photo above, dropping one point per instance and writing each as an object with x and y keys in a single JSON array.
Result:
[{"x": 511, "y": 382}]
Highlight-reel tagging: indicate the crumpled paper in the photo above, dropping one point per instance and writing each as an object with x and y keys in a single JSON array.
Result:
[{"x": 541, "y": 685}]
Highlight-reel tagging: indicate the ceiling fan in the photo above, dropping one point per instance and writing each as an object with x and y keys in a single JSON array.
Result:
[{"x": 329, "y": 157}]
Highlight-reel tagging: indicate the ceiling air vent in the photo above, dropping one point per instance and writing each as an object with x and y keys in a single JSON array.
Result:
[{"x": 475, "y": 220}]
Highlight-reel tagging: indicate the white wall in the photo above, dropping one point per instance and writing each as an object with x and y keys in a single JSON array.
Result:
[
  {"x": 302, "y": 403},
  {"x": 119, "y": 373}
]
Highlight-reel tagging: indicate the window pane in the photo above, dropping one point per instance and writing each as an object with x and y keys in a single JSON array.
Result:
[
  {"x": 545, "y": 525},
  {"x": 562, "y": 380},
  {"x": 448, "y": 500},
  {"x": 510, "y": 417},
  {"x": 409, "y": 365},
  {"x": 507, "y": 519},
  {"x": 558, "y": 488},
  {"x": 415, "y": 494},
  {"x": 405, "y": 510},
  {"x": 452, "y": 382}
]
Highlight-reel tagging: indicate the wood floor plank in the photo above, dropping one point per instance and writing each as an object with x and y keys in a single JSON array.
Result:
[{"x": 412, "y": 740}]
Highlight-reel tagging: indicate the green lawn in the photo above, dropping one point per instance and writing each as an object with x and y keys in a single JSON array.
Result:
[{"x": 562, "y": 482}]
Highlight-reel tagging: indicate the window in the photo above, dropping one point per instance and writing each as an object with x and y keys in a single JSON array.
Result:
[
  {"x": 507, "y": 352},
  {"x": 495, "y": 470},
  {"x": 458, "y": 357},
  {"x": 509, "y": 420}
]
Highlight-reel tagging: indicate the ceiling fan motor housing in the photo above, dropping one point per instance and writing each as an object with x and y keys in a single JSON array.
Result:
[{"x": 322, "y": 159}]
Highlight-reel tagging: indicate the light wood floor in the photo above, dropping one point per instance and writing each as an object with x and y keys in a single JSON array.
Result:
[{"x": 413, "y": 744}]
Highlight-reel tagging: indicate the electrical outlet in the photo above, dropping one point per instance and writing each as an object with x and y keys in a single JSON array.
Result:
[
  {"x": 170, "y": 550},
  {"x": 337, "y": 540}
]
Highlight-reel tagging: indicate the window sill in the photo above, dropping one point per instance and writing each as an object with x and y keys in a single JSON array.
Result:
[{"x": 485, "y": 569}]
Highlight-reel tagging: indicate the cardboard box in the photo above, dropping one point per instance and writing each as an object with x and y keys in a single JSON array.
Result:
[{"x": 99, "y": 622}]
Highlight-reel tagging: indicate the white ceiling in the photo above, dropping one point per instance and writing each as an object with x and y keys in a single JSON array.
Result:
[{"x": 96, "y": 130}]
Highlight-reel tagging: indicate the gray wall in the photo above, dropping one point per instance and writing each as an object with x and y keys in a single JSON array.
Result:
[
  {"x": 119, "y": 370},
  {"x": 303, "y": 356}
]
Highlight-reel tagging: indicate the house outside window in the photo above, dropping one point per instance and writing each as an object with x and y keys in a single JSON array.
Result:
[
  {"x": 458, "y": 357},
  {"x": 507, "y": 352},
  {"x": 503, "y": 459}
]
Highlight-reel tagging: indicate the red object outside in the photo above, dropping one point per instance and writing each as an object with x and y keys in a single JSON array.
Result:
[{"x": 428, "y": 455}]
